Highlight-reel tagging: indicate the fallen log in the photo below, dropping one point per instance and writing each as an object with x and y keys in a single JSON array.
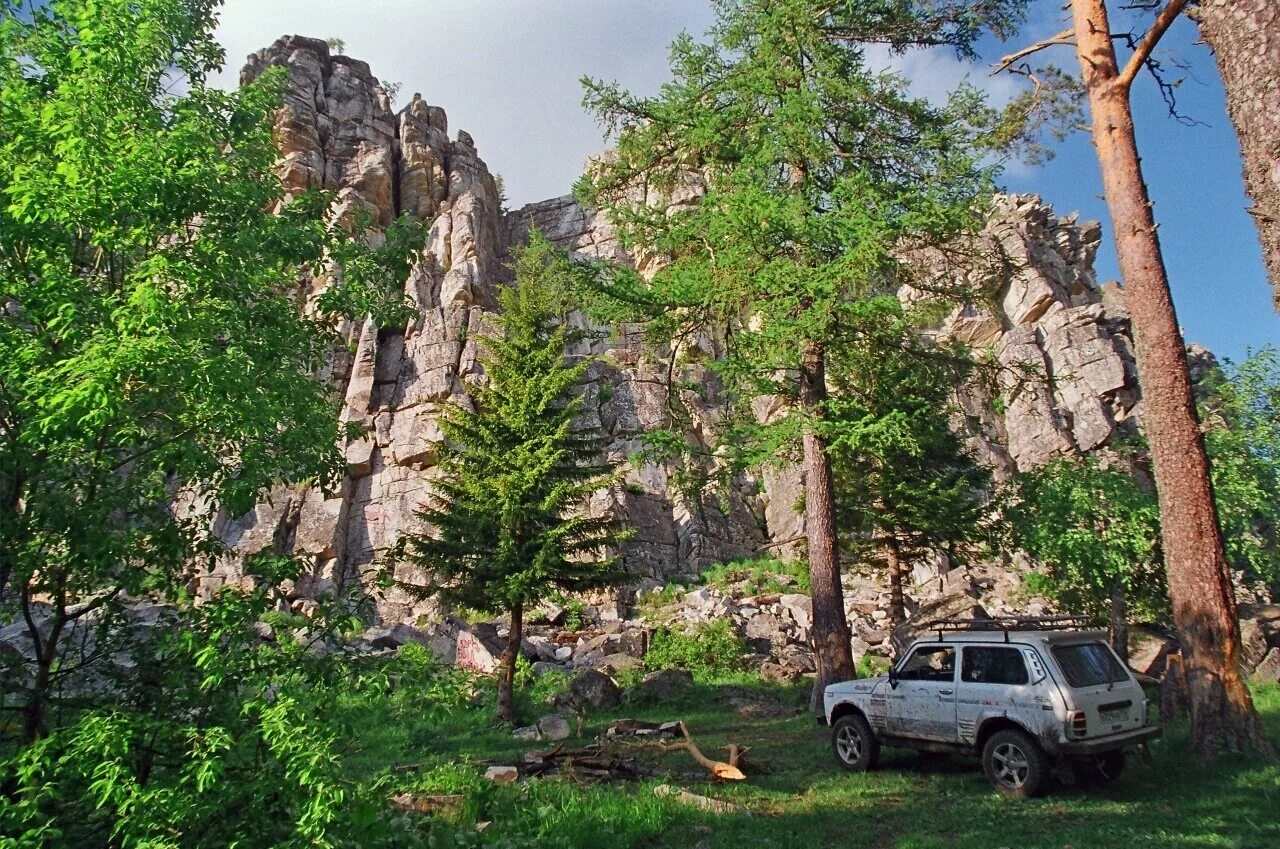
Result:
[
  {"x": 448, "y": 806},
  {"x": 702, "y": 803},
  {"x": 719, "y": 770}
]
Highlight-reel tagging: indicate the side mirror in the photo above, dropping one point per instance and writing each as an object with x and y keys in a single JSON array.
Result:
[{"x": 893, "y": 678}]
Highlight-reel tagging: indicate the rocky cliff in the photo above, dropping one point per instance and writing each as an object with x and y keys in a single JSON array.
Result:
[{"x": 1069, "y": 385}]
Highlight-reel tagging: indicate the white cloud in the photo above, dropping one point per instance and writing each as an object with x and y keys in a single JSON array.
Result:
[{"x": 507, "y": 71}]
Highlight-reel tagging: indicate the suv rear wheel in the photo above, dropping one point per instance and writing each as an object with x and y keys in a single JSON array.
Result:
[
  {"x": 854, "y": 743},
  {"x": 1015, "y": 764}
]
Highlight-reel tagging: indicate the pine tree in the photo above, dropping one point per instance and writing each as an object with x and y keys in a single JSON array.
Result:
[
  {"x": 506, "y": 528},
  {"x": 812, "y": 171}
]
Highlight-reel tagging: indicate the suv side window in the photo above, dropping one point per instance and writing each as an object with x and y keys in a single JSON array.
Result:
[
  {"x": 993, "y": 665},
  {"x": 929, "y": 663}
]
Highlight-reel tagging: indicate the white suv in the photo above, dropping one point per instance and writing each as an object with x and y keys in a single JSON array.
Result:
[{"x": 1028, "y": 701}]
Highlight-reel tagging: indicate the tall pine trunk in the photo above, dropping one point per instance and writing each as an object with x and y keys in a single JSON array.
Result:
[
  {"x": 897, "y": 604},
  {"x": 507, "y": 666},
  {"x": 1204, "y": 606},
  {"x": 1245, "y": 37},
  {"x": 831, "y": 636}
]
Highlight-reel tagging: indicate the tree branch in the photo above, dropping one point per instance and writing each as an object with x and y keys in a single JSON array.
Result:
[
  {"x": 1065, "y": 37},
  {"x": 1149, "y": 41}
]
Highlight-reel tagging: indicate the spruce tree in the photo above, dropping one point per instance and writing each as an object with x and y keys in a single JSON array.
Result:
[
  {"x": 506, "y": 528},
  {"x": 813, "y": 172}
]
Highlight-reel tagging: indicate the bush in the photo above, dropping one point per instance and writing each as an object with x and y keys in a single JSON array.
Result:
[
  {"x": 762, "y": 575},
  {"x": 707, "y": 650}
]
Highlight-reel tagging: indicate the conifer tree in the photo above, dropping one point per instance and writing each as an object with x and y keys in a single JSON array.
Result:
[
  {"x": 507, "y": 527},
  {"x": 812, "y": 172},
  {"x": 906, "y": 486}
]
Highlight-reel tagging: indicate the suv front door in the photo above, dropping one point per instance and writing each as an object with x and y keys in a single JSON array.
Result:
[{"x": 922, "y": 702}]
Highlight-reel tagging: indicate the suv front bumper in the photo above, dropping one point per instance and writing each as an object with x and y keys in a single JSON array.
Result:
[{"x": 1110, "y": 743}]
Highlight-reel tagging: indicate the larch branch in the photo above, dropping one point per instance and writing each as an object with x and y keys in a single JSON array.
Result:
[
  {"x": 1142, "y": 53},
  {"x": 1065, "y": 37}
]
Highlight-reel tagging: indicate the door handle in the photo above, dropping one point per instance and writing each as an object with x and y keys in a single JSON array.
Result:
[{"x": 945, "y": 692}]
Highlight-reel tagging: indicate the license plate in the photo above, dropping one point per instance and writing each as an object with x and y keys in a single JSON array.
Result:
[{"x": 1113, "y": 715}]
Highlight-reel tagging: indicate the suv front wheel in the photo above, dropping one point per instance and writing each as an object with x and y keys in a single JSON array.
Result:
[
  {"x": 1015, "y": 764},
  {"x": 854, "y": 743}
]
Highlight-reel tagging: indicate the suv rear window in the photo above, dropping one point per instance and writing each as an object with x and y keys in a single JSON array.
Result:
[
  {"x": 1089, "y": 665},
  {"x": 993, "y": 665}
]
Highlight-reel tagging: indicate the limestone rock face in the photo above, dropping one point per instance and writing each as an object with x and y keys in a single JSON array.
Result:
[{"x": 1069, "y": 384}]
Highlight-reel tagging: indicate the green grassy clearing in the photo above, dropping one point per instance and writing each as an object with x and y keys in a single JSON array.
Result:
[{"x": 796, "y": 796}]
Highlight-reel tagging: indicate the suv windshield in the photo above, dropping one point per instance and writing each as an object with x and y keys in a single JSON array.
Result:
[{"x": 1089, "y": 665}]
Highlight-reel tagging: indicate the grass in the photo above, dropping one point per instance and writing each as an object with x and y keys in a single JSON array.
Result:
[{"x": 796, "y": 796}]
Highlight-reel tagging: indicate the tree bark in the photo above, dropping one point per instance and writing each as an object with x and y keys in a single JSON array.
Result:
[
  {"x": 1118, "y": 620},
  {"x": 897, "y": 605},
  {"x": 831, "y": 636},
  {"x": 507, "y": 666},
  {"x": 1204, "y": 605},
  {"x": 1245, "y": 38}
]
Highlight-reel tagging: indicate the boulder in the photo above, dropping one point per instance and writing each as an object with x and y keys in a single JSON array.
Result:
[
  {"x": 554, "y": 727},
  {"x": 1268, "y": 671},
  {"x": 776, "y": 673},
  {"x": 1149, "y": 651},
  {"x": 592, "y": 688},
  {"x": 502, "y": 774},
  {"x": 662, "y": 686},
  {"x": 800, "y": 607},
  {"x": 618, "y": 662},
  {"x": 475, "y": 653}
]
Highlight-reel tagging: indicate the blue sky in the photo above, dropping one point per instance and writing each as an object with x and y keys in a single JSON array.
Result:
[
  {"x": 507, "y": 71},
  {"x": 1210, "y": 244}
]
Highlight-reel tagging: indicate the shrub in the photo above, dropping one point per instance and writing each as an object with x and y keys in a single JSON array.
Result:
[
  {"x": 762, "y": 575},
  {"x": 706, "y": 650}
]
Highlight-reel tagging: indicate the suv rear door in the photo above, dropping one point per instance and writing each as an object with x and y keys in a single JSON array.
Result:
[
  {"x": 1100, "y": 686},
  {"x": 922, "y": 702}
]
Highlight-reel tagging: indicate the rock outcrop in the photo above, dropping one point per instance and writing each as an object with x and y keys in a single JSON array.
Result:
[{"x": 1068, "y": 383}]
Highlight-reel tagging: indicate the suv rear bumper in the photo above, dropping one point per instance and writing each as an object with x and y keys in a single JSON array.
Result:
[{"x": 1108, "y": 744}]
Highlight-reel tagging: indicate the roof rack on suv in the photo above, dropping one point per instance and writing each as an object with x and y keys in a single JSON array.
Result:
[{"x": 1010, "y": 623}]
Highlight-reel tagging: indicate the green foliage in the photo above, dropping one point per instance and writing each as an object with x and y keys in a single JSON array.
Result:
[
  {"x": 203, "y": 722},
  {"x": 705, "y": 650},
  {"x": 870, "y": 666},
  {"x": 761, "y": 574},
  {"x": 903, "y": 476},
  {"x": 574, "y": 610},
  {"x": 1094, "y": 528},
  {"x": 812, "y": 172},
  {"x": 152, "y": 349},
  {"x": 1242, "y": 411},
  {"x": 507, "y": 529}
]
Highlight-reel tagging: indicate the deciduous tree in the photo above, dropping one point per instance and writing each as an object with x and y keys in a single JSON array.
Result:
[
  {"x": 906, "y": 487},
  {"x": 150, "y": 341},
  {"x": 1097, "y": 533}
]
